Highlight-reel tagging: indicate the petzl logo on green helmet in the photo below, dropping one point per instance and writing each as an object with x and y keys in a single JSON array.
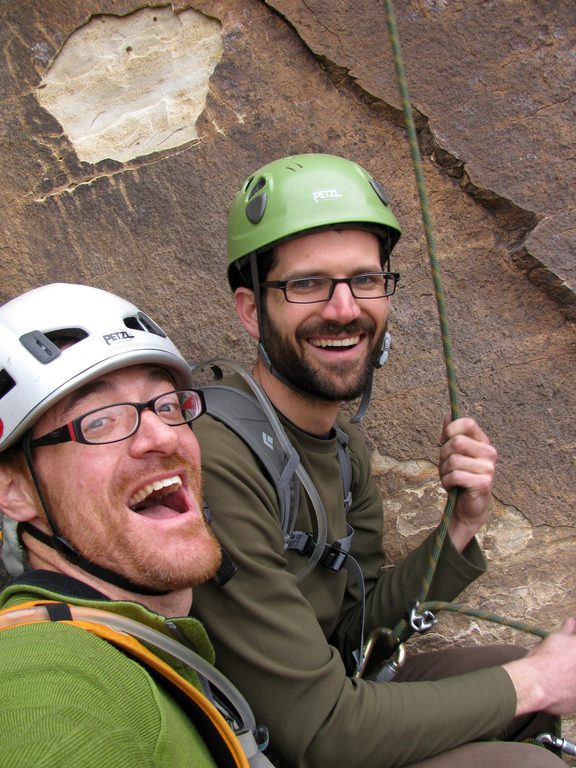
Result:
[{"x": 325, "y": 194}]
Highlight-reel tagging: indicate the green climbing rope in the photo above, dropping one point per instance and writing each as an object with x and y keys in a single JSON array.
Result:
[
  {"x": 423, "y": 610},
  {"x": 404, "y": 628}
]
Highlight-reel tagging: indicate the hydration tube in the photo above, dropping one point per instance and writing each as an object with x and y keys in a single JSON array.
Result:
[
  {"x": 280, "y": 434},
  {"x": 154, "y": 638}
]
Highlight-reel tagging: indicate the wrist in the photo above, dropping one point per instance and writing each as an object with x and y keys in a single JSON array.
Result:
[
  {"x": 529, "y": 694},
  {"x": 461, "y": 534}
]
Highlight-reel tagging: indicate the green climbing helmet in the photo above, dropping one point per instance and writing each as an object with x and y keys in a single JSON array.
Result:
[{"x": 301, "y": 194}]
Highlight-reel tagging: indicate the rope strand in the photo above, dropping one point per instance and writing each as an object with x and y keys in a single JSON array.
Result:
[
  {"x": 403, "y": 630},
  {"x": 442, "y": 531}
]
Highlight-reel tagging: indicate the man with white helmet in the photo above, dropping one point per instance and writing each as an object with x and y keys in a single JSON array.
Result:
[
  {"x": 309, "y": 245},
  {"x": 100, "y": 485}
]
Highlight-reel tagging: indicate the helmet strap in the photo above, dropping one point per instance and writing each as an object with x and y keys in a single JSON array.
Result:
[
  {"x": 255, "y": 277},
  {"x": 367, "y": 394},
  {"x": 59, "y": 543}
]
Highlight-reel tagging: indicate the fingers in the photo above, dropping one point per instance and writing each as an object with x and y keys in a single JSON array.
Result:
[
  {"x": 467, "y": 457},
  {"x": 465, "y": 427},
  {"x": 464, "y": 437}
]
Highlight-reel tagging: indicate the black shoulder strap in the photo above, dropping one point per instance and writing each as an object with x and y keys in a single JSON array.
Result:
[{"x": 242, "y": 414}]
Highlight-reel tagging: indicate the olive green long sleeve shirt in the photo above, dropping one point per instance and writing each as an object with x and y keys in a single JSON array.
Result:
[{"x": 283, "y": 642}]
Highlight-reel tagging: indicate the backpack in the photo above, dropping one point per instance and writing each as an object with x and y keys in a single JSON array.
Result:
[
  {"x": 230, "y": 734},
  {"x": 255, "y": 421}
]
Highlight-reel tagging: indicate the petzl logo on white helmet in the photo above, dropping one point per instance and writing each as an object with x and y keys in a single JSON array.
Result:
[{"x": 116, "y": 336}]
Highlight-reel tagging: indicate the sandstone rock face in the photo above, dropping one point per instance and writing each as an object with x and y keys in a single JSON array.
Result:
[
  {"x": 129, "y": 191},
  {"x": 143, "y": 80}
]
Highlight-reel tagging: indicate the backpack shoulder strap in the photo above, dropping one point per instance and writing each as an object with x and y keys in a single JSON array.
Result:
[
  {"x": 345, "y": 466},
  {"x": 242, "y": 414}
]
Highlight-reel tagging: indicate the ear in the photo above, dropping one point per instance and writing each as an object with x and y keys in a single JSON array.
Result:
[
  {"x": 246, "y": 308},
  {"x": 17, "y": 499}
]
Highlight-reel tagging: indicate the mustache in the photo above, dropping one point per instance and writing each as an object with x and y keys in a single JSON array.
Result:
[
  {"x": 176, "y": 463},
  {"x": 354, "y": 328}
]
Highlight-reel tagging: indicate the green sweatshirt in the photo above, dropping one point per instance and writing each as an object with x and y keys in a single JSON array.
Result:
[
  {"x": 69, "y": 698},
  {"x": 283, "y": 643}
]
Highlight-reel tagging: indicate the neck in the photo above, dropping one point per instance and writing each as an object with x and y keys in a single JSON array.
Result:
[
  {"x": 172, "y": 604},
  {"x": 308, "y": 413}
]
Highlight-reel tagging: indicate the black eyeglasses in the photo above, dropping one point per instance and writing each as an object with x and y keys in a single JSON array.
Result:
[
  {"x": 116, "y": 422},
  {"x": 309, "y": 290}
]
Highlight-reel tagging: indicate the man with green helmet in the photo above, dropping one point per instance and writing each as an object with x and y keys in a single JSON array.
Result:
[{"x": 309, "y": 244}]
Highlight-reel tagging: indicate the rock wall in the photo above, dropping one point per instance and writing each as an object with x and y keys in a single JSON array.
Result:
[{"x": 126, "y": 127}]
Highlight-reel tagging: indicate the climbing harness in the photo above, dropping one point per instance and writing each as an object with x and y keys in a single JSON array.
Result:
[{"x": 221, "y": 714}]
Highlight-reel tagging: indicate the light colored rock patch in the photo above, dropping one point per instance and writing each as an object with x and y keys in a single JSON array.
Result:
[
  {"x": 506, "y": 533},
  {"x": 126, "y": 86}
]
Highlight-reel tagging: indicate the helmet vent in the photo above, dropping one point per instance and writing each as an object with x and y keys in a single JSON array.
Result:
[
  {"x": 380, "y": 191},
  {"x": 256, "y": 208},
  {"x": 66, "y": 337},
  {"x": 6, "y": 383},
  {"x": 260, "y": 184},
  {"x": 40, "y": 346},
  {"x": 141, "y": 322}
]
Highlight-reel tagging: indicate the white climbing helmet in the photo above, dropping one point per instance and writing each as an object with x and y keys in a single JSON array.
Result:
[{"x": 103, "y": 333}]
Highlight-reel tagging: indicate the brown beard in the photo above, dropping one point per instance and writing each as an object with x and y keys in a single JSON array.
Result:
[
  {"x": 341, "y": 386},
  {"x": 198, "y": 552}
]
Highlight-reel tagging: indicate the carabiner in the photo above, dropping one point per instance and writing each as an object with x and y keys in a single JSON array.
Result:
[
  {"x": 421, "y": 622},
  {"x": 382, "y": 656},
  {"x": 568, "y": 747}
]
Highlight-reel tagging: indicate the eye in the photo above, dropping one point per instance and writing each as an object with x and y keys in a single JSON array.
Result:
[
  {"x": 169, "y": 408},
  {"x": 99, "y": 423},
  {"x": 367, "y": 281},
  {"x": 306, "y": 284}
]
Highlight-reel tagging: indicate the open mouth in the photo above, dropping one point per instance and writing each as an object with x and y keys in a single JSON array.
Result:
[
  {"x": 159, "y": 498},
  {"x": 344, "y": 343}
]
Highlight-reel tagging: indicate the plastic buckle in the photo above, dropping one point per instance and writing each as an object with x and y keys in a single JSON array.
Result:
[
  {"x": 301, "y": 542},
  {"x": 335, "y": 557}
]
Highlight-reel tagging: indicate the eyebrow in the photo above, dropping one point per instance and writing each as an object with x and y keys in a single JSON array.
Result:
[
  {"x": 101, "y": 385},
  {"x": 299, "y": 274},
  {"x": 92, "y": 387}
]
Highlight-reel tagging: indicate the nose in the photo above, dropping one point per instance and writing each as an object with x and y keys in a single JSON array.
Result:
[
  {"x": 154, "y": 435},
  {"x": 342, "y": 307}
]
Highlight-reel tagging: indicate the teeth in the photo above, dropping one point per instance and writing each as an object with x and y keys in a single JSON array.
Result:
[
  {"x": 157, "y": 485},
  {"x": 350, "y": 342}
]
